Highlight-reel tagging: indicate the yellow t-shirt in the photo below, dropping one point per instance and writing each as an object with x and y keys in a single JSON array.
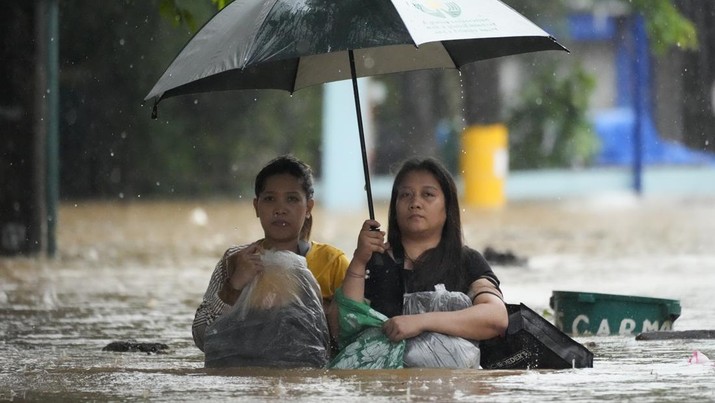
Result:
[{"x": 328, "y": 265}]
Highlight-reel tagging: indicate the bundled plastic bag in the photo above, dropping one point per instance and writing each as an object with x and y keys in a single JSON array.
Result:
[
  {"x": 278, "y": 320},
  {"x": 437, "y": 350},
  {"x": 362, "y": 343}
]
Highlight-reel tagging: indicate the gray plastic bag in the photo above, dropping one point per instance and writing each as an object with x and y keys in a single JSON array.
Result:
[
  {"x": 437, "y": 350},
  {"x": 278, "y": 320}
]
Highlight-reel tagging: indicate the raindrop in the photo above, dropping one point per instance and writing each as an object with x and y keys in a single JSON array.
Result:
[
  {"x": 121, "y": 42},
  {"x": 158, "y": 183},
  {"x": 111, "y": 153},
  {"x": 131, "y": 66},
  {"x": 75, "y": 205},
  {"x": 121, "y": 195},
  {"x": 123, "y": 135},
  {"x": 196, "y": 101},
  {"x": 139, "y": 196},
  {"x": 199, "y": 216},
  {"x": 48, "y": 90}
]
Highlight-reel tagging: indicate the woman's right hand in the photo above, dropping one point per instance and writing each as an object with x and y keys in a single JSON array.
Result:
[
  {"x": 245, "y": 265},
  {"x": 369, "y": 241}
]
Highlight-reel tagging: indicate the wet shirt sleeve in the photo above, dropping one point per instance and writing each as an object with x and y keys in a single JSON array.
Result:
[
  {"x": 328, "y": 265},
  {"x": 480, "y": 275},
  {"x": 212, "y": 306}
]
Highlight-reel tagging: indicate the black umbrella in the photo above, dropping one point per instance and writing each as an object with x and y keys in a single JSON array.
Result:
[{"x": 293, "y": 44}]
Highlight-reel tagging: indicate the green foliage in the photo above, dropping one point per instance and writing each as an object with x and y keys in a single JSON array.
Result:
[
  {"x": 549, "y": 127},
  {"x": 666, "y": 26},
  {"x": 220, "y": 4},
  {"x": 177, "y": 14},
  {"x": 200, "y": 145},
  {"x": 181, "y": 15}
]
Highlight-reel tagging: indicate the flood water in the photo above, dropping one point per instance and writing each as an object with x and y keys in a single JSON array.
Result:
[{"x": 138, "y": 270}]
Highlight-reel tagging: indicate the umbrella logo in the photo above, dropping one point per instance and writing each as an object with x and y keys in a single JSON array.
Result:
[{"x": 437, "y": 8}]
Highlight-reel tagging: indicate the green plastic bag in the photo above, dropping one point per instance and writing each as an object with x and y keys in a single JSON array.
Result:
[{"x": 362, "y": 343}]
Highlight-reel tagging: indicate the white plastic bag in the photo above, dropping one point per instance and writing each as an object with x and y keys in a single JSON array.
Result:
[
  {"x": 437, "y": 350},
  {"x": 277, "y": 321}
]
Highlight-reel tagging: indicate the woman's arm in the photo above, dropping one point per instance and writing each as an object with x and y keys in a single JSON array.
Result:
[
  {"x": 487, "y": 318},
  {"x": 353, "y": 286},
  {"x": 369, "y": 241},
  {"x": 225, "y": 287},
  {"x": 212, "y": 305}
]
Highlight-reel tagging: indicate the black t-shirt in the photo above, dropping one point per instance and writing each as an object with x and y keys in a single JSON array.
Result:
[{"x": 388, "y": 281}]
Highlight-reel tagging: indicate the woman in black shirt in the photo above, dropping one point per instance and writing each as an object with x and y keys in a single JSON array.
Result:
[{"x": 424, "y": 248}]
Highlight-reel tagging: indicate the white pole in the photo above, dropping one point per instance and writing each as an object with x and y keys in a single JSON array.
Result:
[{"x": 342, "y": 181}]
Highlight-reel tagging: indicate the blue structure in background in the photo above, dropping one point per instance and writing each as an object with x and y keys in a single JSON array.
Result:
[{"x": 627, "y": 132}]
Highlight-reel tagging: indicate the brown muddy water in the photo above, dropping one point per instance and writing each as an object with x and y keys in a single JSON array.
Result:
[{"x": 138, "y": 270}]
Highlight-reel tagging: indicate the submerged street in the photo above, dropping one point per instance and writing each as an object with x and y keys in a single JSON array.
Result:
[{"x": 137, "y": 271}]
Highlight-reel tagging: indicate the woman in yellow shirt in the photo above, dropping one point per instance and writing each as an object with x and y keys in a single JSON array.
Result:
[{"x": 283, "y": 203}]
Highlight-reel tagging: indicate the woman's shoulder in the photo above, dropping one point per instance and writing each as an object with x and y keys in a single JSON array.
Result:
[
  {"x": 471, "y": 253},
  {"x": 233, "y": 249},
  {"x": 326, "y": 254},
  {"x": 475, "y": 260},
  {"x": 324, "y": 249}
]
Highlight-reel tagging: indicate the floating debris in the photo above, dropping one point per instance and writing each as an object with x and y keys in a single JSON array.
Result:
[
  {"x": 676, "y": 335},
  {"x": 506, "y": 258},
  {"x": 132, "y": 346}
]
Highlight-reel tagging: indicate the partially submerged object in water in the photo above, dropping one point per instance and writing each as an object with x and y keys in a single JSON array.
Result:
[
  {"x": 675, "y": 335},
  {"x": 698, "y": 358},
  {"x": 278, "y": 320},
  {"x": 133, "y": 346},
  {"x": 506, "y": 258}
]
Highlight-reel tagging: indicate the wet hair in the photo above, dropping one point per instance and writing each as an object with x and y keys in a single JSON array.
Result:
[
  {"x": 443, "y": 263},
  {"x": 288, "y": 164}
]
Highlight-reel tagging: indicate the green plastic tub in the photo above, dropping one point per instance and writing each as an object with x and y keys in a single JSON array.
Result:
[{"x": 579, "y": 313}]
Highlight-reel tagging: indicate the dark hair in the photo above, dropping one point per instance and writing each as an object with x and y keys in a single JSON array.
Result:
[
  {"x": 288, "y": 164},
  {"x": 442, "y": 264}
]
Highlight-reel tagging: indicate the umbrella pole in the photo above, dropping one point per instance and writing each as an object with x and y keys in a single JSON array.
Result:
[{"x": 363, "y": 149}]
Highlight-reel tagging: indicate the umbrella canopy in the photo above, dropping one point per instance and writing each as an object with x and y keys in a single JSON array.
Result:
[{"x": 293, "y": 44}]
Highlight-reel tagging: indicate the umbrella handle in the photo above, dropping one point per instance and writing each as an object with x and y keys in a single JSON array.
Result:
[
  {"x": 376, "y": 258},
  {"x": 363, "y": 148}
]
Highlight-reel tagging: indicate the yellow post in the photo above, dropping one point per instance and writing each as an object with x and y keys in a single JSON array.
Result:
[{"x": 485, "y": 162}]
